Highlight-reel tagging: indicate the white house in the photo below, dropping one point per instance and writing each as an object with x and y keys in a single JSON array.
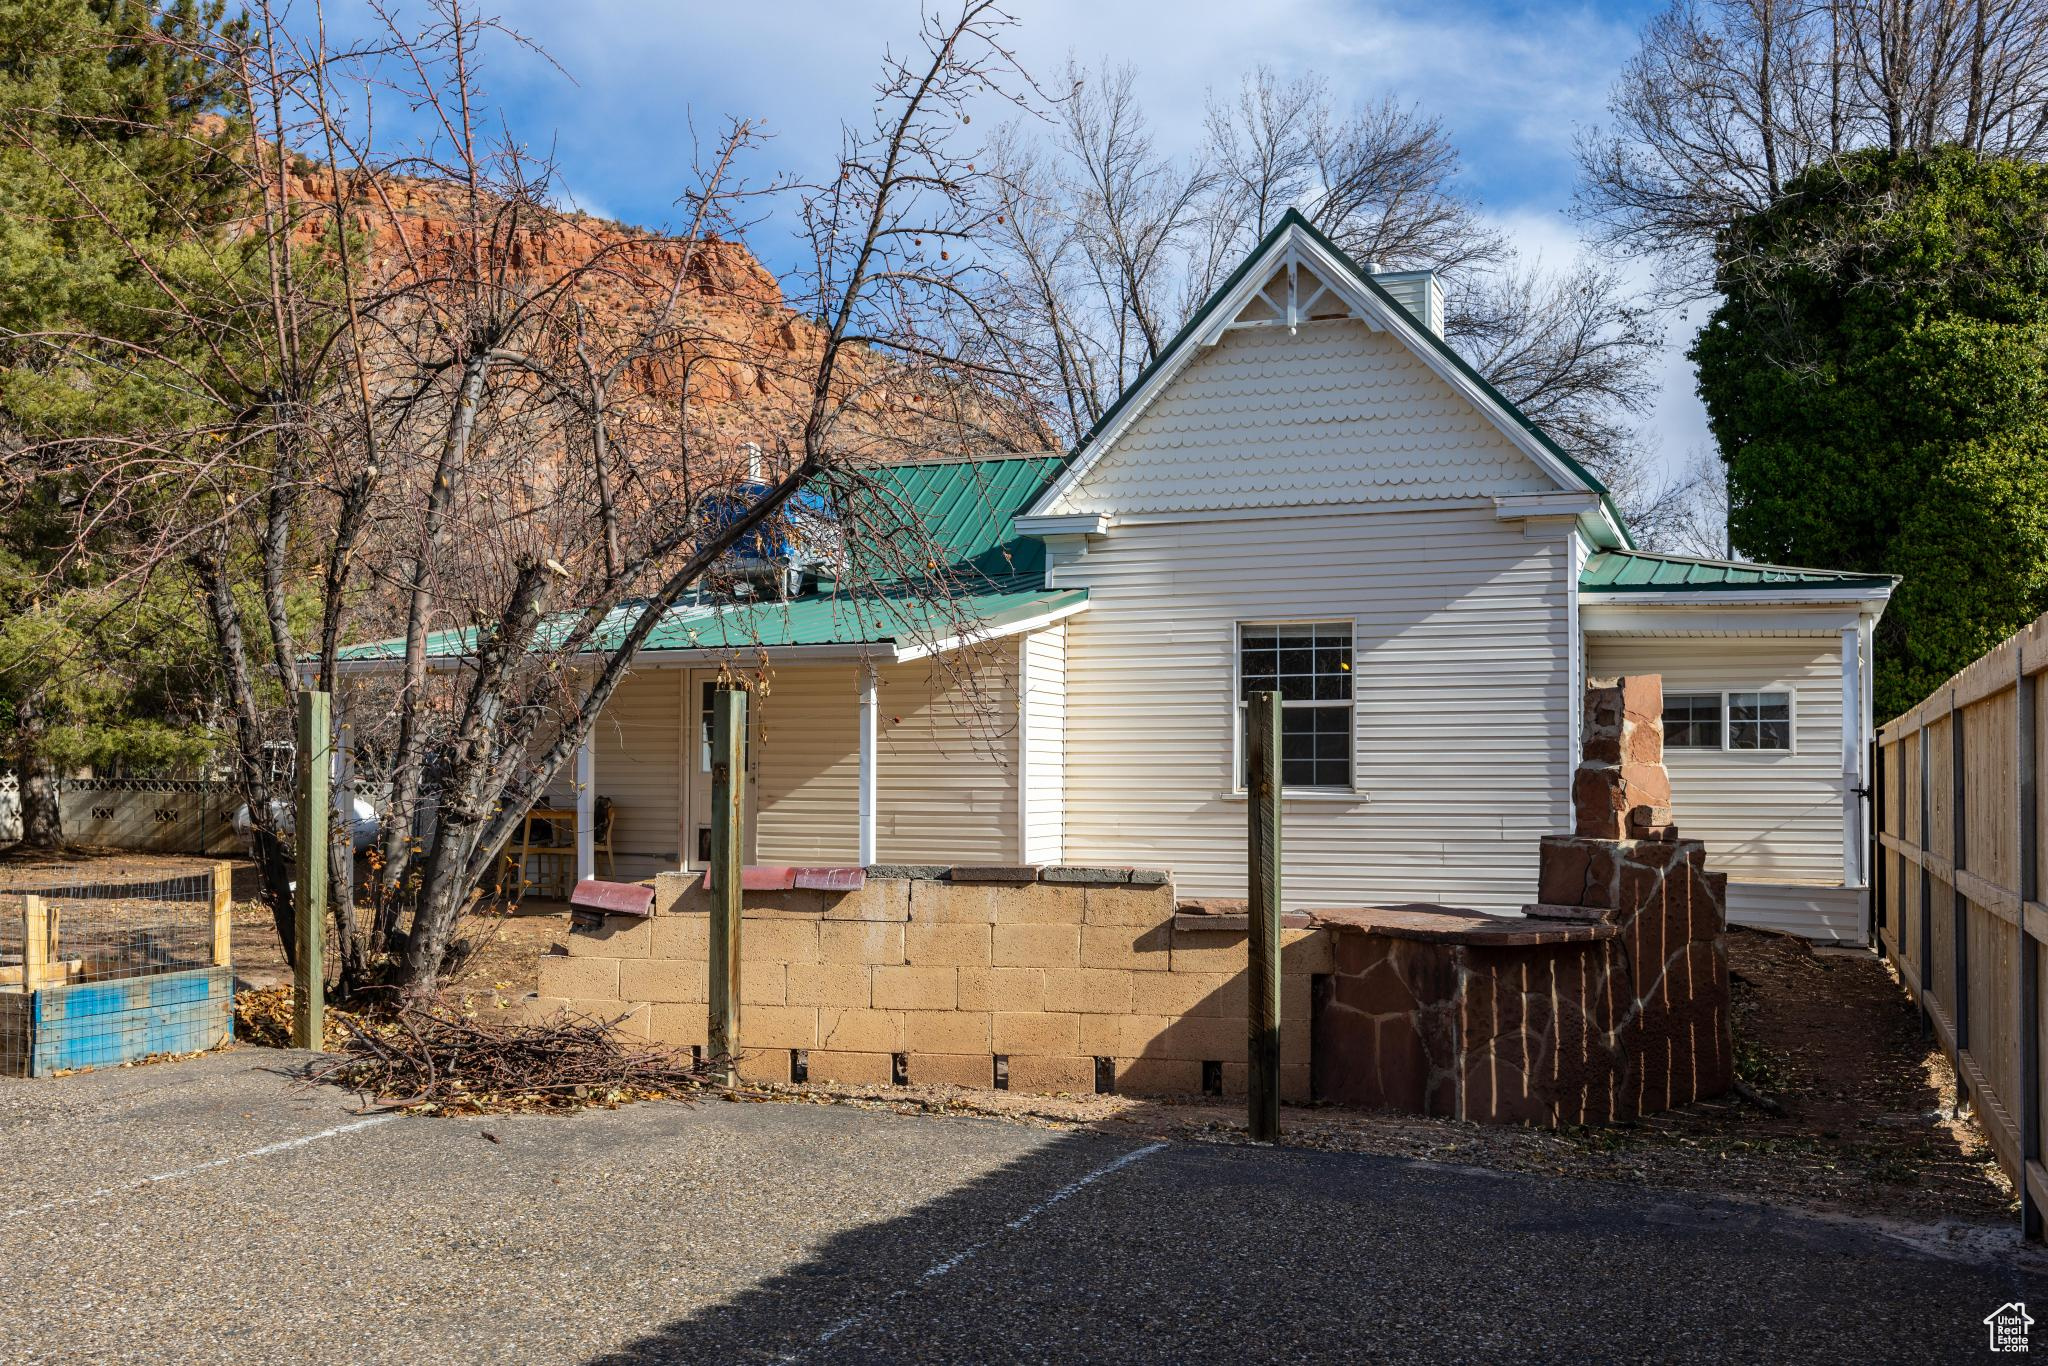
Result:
[{"x": 1310, "y": 489}]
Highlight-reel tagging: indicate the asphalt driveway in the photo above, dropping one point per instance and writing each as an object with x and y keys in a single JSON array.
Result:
[{"x": 215, "y": 1211}]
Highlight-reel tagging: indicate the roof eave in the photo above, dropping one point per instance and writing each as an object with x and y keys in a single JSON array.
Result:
[{"x": 1710, "y": 596}]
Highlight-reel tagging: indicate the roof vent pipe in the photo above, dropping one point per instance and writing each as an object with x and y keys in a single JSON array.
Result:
[{"x": 754, "y": 471}]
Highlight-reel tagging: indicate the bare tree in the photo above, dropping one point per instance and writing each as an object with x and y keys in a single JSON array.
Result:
[
  {"x": 1695, "y": 510},
  {"x": 1108, "y": 246},
  {"x": 1726, "y": 101},
  {"x": 1378, "y": 181},
  {"x": 484, "y": 430},
  {"x": 1571, "y": 348}
]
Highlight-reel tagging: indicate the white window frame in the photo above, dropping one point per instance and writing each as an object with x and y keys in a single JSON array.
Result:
[
  {"x": 1237, "y": 705},
  {"x": 1791, "y": 720}
]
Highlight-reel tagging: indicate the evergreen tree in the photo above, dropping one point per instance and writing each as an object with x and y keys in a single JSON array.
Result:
[
  {"x": 116, "y": 142},
  {"x": 1876, "y": 375}
]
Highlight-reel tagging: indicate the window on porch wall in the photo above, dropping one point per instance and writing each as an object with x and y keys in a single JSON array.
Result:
[{"x": 1760, "y": 721}]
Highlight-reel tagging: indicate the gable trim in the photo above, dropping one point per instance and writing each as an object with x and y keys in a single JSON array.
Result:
[{"x": 1293, "y": 237}]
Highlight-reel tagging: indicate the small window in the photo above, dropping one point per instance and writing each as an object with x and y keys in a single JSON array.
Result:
[
  {"x": 1692, "y": 720},
  {"x": 704, "y": 719},
  {"x": 1309, "y": 665},
  {"x": 1759, "y": 720}
]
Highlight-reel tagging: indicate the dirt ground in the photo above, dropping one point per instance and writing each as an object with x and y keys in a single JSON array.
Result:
[{"x": 1868, "y": 1102}]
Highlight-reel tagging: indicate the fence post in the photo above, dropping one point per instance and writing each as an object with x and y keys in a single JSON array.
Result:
[
  {"x": 223, "y": 914},
  {"x": 1958, "y": 906},
  {"x": 1262, "y": 848},
  {"x": 1926, "y": 964},
  {"x": 728, "y": 816},
  {"x": 1880, "y": 859},
  {"x": 2026, "y": 769},
  {"x": 35, "y": 941},
  {"x": 309, "y": 905}
]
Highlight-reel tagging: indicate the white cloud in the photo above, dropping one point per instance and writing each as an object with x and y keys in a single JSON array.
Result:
[{"x": 1513, "y": 88}]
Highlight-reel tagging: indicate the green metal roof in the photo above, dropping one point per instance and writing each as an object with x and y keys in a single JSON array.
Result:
[
  {"x": 1640, "y": 571},
  {"x": 967, "y": 508},
  {"x": 1293, "y": 218}
]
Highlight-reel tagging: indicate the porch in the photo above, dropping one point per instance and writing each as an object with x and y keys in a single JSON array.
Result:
[{"x": 868, "y": 755}]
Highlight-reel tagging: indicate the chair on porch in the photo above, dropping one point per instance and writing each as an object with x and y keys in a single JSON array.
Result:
[
  {"x": 601, "y": 835},
  {"x": 547, "y": 845}
]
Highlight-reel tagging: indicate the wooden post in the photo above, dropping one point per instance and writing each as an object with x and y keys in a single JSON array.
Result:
[
  {"x": 1958, "y": 906},
  {"x": 223, "y": 914},
  {"x": 1262, "y": 850},
  {"x": 309, "y": 904},
  {"x": 35, "y": 941},
  {"x": 728, "y": 808},
  {"x": 1924, "y": 969},
  {"x": 2026, "y": 769},
  {"x": 1880, "y": 860}
]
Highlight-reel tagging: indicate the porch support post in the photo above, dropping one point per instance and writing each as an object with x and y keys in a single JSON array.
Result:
[
  {"x": 869, "y": 726},
  {"x": 1852, "y": 756},
  {"x": 586, "y": 809}
]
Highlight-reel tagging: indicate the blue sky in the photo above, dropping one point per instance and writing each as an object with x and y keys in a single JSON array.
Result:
[{"x": 1514, "y": 83}]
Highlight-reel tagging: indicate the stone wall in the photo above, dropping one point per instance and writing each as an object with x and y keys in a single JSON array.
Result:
[
  {"x": 1071, "y": 978},
  {"x": 1608, "y": 1000}
]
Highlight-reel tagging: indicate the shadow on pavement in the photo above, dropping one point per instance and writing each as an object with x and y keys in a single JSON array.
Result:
[{"x": 1211, "y": 1252}]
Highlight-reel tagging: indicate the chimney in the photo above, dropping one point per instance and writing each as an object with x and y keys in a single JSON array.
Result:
[
  {"x": 1418, "y": 291},
  {"x": 755, "y": 472}
]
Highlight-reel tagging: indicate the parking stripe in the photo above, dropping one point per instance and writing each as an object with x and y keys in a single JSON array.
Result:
[
  {"x": 193, "y": 1170},
  {"x": 944, "y": 1265}
]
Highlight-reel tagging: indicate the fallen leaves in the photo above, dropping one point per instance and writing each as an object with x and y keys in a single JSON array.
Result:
[{"x": 263, "y": 1017}]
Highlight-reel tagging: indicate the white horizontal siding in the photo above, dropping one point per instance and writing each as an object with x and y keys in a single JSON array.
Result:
[
  {"x": 1462, "y": 678},
  {"x": 807, "y": 766},
  {"x": 1809, "y": 910},
  {"x": 946, "y": 781},
  {"x": 636, "y": 740},
  {"x": 1765, "y": 817},
  {"x": 1045, "y": 725},
  {"x": 1333, "y": 413}
]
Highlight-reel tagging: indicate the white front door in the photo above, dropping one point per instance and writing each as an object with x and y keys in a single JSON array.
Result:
[{"x": 697, "y": 694}]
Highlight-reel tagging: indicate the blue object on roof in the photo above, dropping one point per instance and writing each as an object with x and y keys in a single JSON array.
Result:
[{"x": 801, "y": 534}]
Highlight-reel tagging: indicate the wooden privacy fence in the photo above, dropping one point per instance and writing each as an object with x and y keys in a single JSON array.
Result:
[{"x": 1959, "y": 878}]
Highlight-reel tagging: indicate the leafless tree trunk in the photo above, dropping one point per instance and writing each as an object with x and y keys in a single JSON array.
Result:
[
  {"x": 42, "y": 817},
  {"x": 492, "y": 430}
]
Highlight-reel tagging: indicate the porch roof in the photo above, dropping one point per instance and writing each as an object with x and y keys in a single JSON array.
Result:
[
  {"x": 994, "y": 583},
  {"x": 1638, "y": 571},
  {"x": 891, "y": 621}
]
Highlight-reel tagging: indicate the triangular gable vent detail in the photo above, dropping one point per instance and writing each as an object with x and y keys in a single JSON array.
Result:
[{"x": 1291, "y": 296}]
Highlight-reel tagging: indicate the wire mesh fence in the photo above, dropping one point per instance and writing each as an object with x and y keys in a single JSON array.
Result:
[
  {"x": 99, "y": 932},
  {"x": 99, "y": 973}
]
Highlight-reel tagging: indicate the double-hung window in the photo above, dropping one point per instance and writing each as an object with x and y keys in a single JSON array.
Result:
[
  {"x": 1754, "y": 721},
  {"x": 1309, "y": 665}
]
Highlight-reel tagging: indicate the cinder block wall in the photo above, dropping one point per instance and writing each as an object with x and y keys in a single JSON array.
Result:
[{"x": 1048, "y": 970}]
